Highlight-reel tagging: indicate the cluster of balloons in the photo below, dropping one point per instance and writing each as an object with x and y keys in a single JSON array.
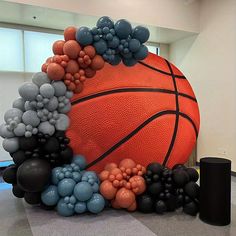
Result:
[
  {"x": 121, "y": 183},
  {"x": 116, "y": 42},
  {"x": 73, "y": 190},
  {"x": 72, "y": 62},
  {"x": 33, "y": 162},
  {"x": 168, "y": 190}
]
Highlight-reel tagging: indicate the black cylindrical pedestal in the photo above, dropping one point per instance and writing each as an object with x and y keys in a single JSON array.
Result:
[{"x": 215, "y": 190}]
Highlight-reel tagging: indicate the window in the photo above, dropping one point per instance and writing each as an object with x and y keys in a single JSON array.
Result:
[{"x": 153, "y": 49}]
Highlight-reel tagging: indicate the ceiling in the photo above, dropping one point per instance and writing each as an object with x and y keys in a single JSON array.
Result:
[{"x": 28, "y": 15}]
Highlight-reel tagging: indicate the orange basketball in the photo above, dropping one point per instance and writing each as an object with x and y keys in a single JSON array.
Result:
[{"x": 147, "y": 112}]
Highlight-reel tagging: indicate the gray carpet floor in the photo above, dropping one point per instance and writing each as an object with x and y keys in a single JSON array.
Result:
[{"x": 18, "y": 218}]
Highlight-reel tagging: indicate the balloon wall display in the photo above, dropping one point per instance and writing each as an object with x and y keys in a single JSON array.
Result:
[{"x": 121, "y": 183}]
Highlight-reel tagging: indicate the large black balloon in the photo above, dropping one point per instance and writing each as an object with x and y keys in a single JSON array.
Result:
[
  {"x": 192, "y": 189},
  {"x": 191, "y": 208},
  {"x": 171, "y": 203},
  {"x": 9, "y": 174},
  {"x": 33, "y": 175},
  {"x": 155, "y": 188},
  {"x": 160, "y": 207},
  {"x": 180, "y": 177},
  {"x": 18, "y": 157},
  {"x": 17, "y": 191},
  {"x": 155, "y": 168},
  {"x": 52, "y": 145},
  {"x": 28, "y": 144},
  {"x": 32, "y": 198},
  {"x": 193, "y": 174},
  {"x": 145, "y": 203}
]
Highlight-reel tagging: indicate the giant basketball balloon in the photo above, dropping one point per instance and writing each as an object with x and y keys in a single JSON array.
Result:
[{"x": 147, "y": 112}]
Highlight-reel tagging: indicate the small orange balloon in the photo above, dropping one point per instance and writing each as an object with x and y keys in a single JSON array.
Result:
[
  {"x": 79, "y": 88},
  {"x": 104, "y": 175},
  {"x": 125, "y": 198},
  {"x": 90, "y": 51},
  {"x": 97, "y": 63},
  {"x": 132, "y": 207},
  {"x": 115, "y": 171},
  {"x": 107, "y": 190},
  {"x": 44, "y": 67},
  {"x": 57, "y": 47},
  {"x": 72, "y": 67},
  {"x": 114, "y": 204},
  {"x": 69, "y": 33},
  {"x": 89, "y": 73},
  {"x": 71, "y": 48},
  {"x": 139, "y": 183},
  {"x": 55, "y": 71},
  {"x": 127, "y": 163},
  {"x": 110, "y": 166}
]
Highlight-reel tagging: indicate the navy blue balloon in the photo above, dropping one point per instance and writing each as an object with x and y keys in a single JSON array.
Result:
[
  {"x": 105, "y": 21},
  {"x": 141, "y": 53},
  {"x": 141, "y": 33},
  {"x": 129, "y": 61},
  {"x": 84, "y": 36},
  {"x": 134, "y": 45},
  {"x": 116, "y": 60},
  {"x": 114, "y": 43},
  {"x": 100, "y": 46},
  {"x": 123, "y": 29}
]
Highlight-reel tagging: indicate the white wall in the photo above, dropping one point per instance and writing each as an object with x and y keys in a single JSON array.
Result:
[
  {"x": 173, "y": 14},
  {"x": 209, "y": 62}
]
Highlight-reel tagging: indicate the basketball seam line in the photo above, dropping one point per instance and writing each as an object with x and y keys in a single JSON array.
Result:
[
  {"x": 123, "y": 90},
  {"x": 176, "y": 118},
  {"x": 161, "y": 71},
  {"x": 136, "y": 130}
]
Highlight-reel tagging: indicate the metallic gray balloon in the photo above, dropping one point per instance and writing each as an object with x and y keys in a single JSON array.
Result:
[
  {"x": 63, "y": 122},
  {"x": 12, "y": 113},
  {"x": 11, "y": 144},
  {"x": 20, "y": 130},
  {"x": 30, "y": 118},
  {"x": 46, "y": 128},
  {"x": 65, "y": 109},
  {"x": 60, "y": 88},
  {"x": 47, "y": 91},
  {"x": 19, "y": 103},
  {"x": 52, "y": 104},
  {"x": 40, "y": 78},
  {"x": 5, "y": 132},
  {"x": 28, "y": 91}
]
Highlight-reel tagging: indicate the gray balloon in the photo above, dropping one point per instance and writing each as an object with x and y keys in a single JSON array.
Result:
[
  {"x": 60, "y": 88},
  {"x": 52, "y": 104},
  {"x": 12, "y": 113},
  {"x": 11, "y": 145},
  {"x": 28, "y": 106},
  {"x": 19, "y": 103},
  {"x": 47, "y": 91},
  {"x": 46, "y": 128},
  {"x": 28, "y": 91},
  {"x": 69, "y": 94},
  {"x": 40, "y": 78},
  {"x": 65, "y": 109},
  {"x": 5, "y": 132},
  {"x": 63, "y": 122},
  {"x": 20, "y": 130},
  {"x": 30, "y": 118}
]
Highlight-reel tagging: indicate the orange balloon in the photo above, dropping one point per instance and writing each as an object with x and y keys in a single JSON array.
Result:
[
  {"x": 138, "y": 183},
  {"x": 57, "y": 47},
  {"x": 114, "y": 204},
  {"x": 79, "y": 88},
  {"x": 71, "y": 48},
  {"x": 104, "y": 175},
  {"x": 125, "y": 197},
  {"x": 127, "y": 163},
  {"x": 55, "y": 71},
  {"x": 44, "y": 67},
  {"x": 132, "y": 207},
  {"x": 90, "y": 51},
  {"x": 72, "y": 67},
  {"x": 69, "y": 33},
  {"x": 115, "y": 171},
  {"x": 97, "y": 63},
  {"x": 110, "y": 166},
  {"x": 89, "y": 73},
  {"x": 107, "y": 190}
]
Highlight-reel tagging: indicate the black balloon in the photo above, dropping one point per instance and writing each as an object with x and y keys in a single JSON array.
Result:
[
  {"x": 192, "y": 190},
  {"x": 9, "y": 174},
  {"x": 32, "y": 198},
  {"x": 180, "y": 177},
  {"x": 33, "y": 175},
  {"x": 145, "y": 203},
  {"x": 28, "y": 144},
  {"x": 191, "y": 208},
  {"x": 19, "y": 157},
  {"x": 52, "y": 145},
  {"x": 193, "y": 174},
  {"x": 178, "y": 166},
  {"x": 171, "y": 203},
  {"x": 66, "y": 155},
  {"x": 155, "y": 168},
  {"x": 155, "y": 188},
  {"x": 45, "y": 207},
  {"x": 17, "y": 191},
  {"x": 160, "y": 207}
]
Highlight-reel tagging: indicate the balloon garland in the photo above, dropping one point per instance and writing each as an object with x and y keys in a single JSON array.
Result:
[{"x": 44, "y": 170}]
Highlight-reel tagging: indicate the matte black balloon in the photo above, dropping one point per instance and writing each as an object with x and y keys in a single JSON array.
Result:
[
  {"x": 179, "y": 200},
  {"x": 45, "y": 207},
  {"x": 33, "y": 175},
  {"x": 155, "y": 188},
  {"x": 28, "y": 143},
  {"x": 145, "y": 203},
  {"x": 17, "y": 191},
  {"x": 191, "y": 208},
  {"x": 178, "y": 166},
  {"x": 32, "y": 198},
  {"x": 51, "y": 145},
  {"x": 171, "y": 203},
  {"x": 66, "y": 155},
  {"x": 155, "y": 168},
  {"x": 192, "y": 189},
  {"x": 160, "y": 207},
  {"x": 193, "y": 174},
  {"x": 180, "y": 177},
  {"x": 19, "y": 157},
  {"x": 9, "y": 174}
]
